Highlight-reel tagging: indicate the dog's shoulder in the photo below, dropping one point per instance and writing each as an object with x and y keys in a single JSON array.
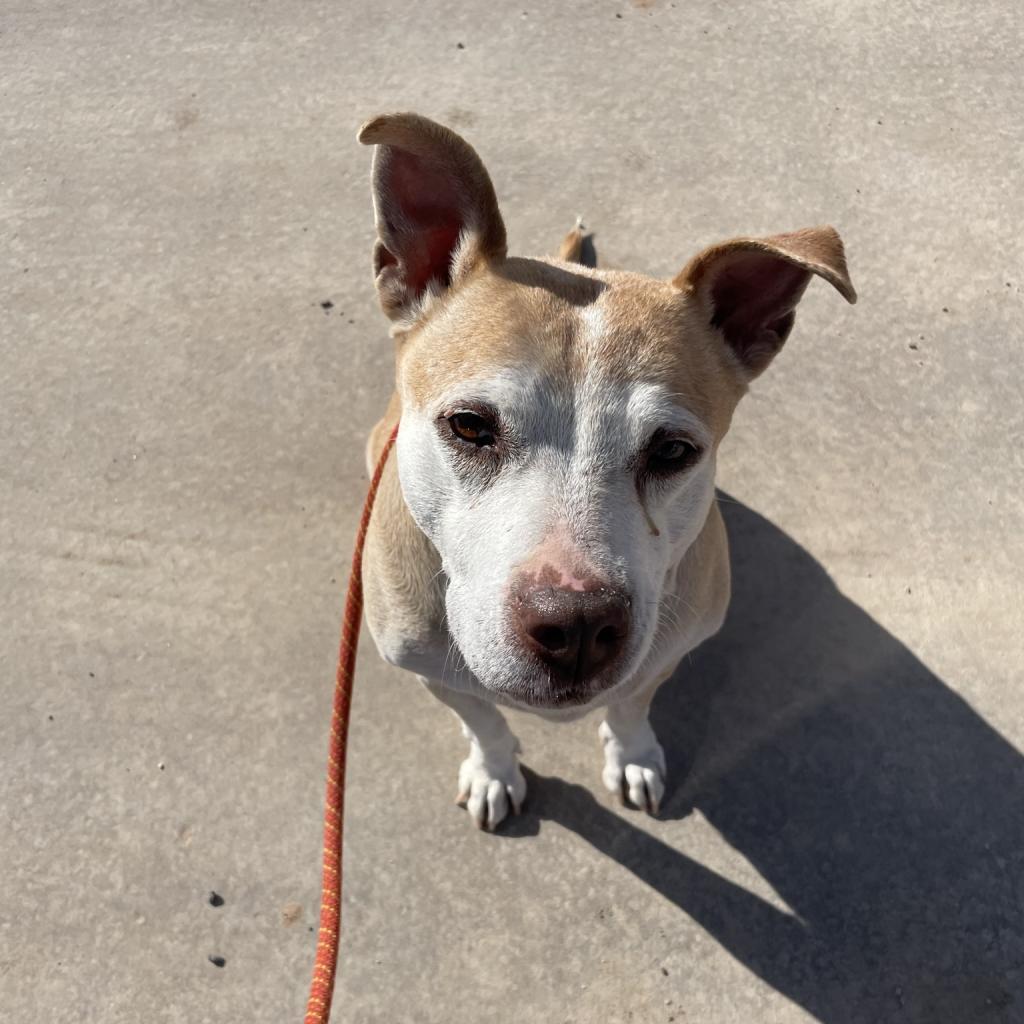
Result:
[
  {"x": 382, "y": 431},
  {"x": 700, "y": 585},
  {"x": 402, "y": 580}
]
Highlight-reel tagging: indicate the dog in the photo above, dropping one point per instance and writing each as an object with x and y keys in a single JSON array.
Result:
[{"x": 546, "y": 536}]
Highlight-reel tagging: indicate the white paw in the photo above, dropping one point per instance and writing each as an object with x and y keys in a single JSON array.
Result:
[
  {"x": 490, "y": 791},
  {"x": 634, "y": 767}
]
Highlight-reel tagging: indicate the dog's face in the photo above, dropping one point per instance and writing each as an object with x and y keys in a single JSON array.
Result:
[
  {"x": 560, "y": 425},
  {"x": 557, "y": 445}
]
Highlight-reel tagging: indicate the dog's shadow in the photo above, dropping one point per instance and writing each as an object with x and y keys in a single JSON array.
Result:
[{"x": 884, "y": 811}]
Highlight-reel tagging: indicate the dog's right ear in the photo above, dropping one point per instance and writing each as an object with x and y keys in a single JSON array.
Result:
[{"x": 436, "y": 211}]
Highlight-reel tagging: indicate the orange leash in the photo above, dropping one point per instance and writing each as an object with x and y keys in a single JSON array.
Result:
[{"x": 321, "y": 988}]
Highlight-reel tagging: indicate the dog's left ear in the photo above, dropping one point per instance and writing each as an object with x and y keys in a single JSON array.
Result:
[
  {"x": 749, "y": 288},
  {"x": 436, "y": 211}
]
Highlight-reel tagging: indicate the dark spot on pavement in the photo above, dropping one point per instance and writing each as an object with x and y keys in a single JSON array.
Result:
[
  {"x": 185, "y": 117},
  {"x": 217, "y": 961},
  {"x": 215, "y": 899},
  {"x": 460, "y": 117},
  {"x": 326, "y": 305}
]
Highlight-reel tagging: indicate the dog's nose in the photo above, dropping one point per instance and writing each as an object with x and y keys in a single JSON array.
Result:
[{"x": 576, "y": 633}]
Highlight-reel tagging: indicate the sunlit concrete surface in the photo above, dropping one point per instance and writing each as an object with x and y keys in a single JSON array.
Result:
[{"x": 181, "y": 461}]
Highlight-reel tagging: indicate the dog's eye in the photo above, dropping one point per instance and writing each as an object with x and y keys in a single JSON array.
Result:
[
  {"x": 671, "y": 455},
  {"x": 471, "y": 428}
]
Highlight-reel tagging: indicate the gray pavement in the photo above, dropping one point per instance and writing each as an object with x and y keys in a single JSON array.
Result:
[{"x": 181, "y": 439}]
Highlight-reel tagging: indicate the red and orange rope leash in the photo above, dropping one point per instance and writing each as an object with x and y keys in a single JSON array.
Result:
[{"x": 321, "y": 988}]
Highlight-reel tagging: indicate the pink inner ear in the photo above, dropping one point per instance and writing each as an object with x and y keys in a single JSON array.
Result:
[
  {"x": 754, "y": 297},
  {"x": 424, "y": 216}
]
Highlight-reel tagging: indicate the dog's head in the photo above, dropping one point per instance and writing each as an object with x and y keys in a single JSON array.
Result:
[{"x": 559, "y": 424}]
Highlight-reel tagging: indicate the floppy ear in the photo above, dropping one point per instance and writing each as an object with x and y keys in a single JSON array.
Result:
[
  {"x": 749, "y": 288},
  {"x": 436, "y": 212}
]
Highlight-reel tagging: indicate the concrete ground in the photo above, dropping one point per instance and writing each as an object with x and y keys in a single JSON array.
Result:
[{"x": 181, "y": 450}]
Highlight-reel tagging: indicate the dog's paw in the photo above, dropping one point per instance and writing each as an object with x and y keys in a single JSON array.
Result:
[
  {"x": 490, "y": 791},
  {"x": 634, "y": 769}
]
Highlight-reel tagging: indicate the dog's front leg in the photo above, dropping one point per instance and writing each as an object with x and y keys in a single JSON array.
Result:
[
  {"x": 634, "y": 763},
  {"x": 490, "y": 782}
]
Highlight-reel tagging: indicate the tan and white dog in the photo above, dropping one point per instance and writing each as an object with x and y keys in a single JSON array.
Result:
[{"x": 547, "y": 537}]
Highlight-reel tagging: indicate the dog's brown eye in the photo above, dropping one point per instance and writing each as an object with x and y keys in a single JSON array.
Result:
[
  {"x": 672, "y": 455},
  {"x": 471, "y": 428}
]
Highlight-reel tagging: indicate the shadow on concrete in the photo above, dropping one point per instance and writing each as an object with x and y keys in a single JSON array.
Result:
[{"x": 884, "y": 811}]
